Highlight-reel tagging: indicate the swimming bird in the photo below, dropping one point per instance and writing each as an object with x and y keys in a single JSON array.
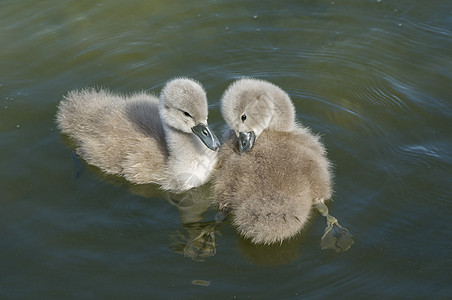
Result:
[
  {"x": 143, "y": 138},
  {"x": 271, "y": 171}
]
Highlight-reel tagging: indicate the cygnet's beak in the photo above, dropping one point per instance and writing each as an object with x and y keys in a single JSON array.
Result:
[
  {"x": 206, "y": 136},
  {"x": 246, "y": 141}
]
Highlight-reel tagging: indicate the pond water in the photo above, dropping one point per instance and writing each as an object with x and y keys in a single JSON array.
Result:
[{"x": 374, "y": 78}]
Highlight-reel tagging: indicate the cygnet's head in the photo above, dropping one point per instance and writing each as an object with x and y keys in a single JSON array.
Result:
[
  {"x": 249, "y": 106},
  {"x": 183, "y": 107}
]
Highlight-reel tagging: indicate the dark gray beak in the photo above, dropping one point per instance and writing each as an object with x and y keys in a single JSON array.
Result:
[
  {"x": 206, "y": 136},
  {"x": 246, "y": 141}
]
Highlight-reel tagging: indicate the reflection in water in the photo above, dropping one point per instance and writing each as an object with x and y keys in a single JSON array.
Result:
[
  {"x": 191, "y": 204},
  {"x": 199, "y": 242},
  {"x": 79, "y": 167},
  {"x": 273, "y": 254}
]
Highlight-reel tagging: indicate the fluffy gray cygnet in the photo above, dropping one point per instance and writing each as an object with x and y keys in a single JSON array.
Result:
[
  {"x": 271, "y": 170},
  {"x": 143, "y": 138}
]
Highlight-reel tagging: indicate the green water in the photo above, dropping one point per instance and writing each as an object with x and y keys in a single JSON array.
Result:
[{"x": 374, "y": 78}]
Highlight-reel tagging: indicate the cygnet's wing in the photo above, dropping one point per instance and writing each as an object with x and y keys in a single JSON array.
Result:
[
  {"x": 108, "y": 138},
  {"x": 145, "y": 160},
  {"x": 144, "y": 114},
  {"x": 96, "y": 121}
]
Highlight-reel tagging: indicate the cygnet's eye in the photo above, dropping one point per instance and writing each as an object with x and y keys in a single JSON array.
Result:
[
  {"x": 187, "y": 114},
  {"x": 243, "y": 118}
]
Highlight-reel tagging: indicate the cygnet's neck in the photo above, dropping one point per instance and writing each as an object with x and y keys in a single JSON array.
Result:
[
  {"x": 190, "y": 162},
  {"x": 283, "y": 118}
]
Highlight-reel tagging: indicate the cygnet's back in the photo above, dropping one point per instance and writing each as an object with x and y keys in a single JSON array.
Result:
[
  {"x": 131, "y": 136},
  {"x": 269, "y": 180}
]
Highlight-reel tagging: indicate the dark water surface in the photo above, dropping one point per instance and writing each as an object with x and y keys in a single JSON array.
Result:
[{"x": 374, "y": 78}]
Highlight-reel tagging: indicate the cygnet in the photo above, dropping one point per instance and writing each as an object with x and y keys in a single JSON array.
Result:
[
  {"x": 143, "y": 138},
  {"x": 271, "y": 171}
]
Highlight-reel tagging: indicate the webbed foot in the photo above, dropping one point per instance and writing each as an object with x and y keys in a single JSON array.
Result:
[
  {"x": 200, "y": 242},
  {"x": 335, "y": 237}
]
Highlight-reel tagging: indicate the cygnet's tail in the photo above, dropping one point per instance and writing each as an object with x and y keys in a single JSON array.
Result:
[{"x": 267, "y": 221}]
